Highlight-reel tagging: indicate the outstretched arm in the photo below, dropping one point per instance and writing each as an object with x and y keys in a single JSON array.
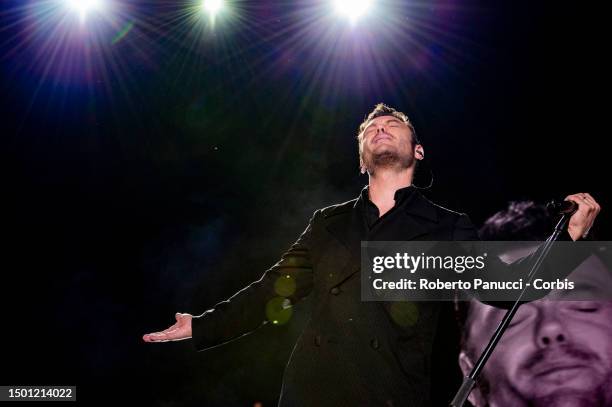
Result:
[
  {"x": 288, "y": 281},
  {"x": 578, "y": 227},
  {"x": 559, "y": 263}
]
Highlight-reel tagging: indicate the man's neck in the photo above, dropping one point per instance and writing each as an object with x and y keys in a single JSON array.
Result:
[{"x": 382, "y": 187}]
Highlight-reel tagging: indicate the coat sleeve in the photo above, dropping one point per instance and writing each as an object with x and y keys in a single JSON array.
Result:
[
  {"x": 558, "y": 264},
  {"x": 245, "y": 311}
]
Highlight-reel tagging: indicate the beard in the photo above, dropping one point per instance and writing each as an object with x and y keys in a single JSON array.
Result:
[
  {"x": 597, "y": 393},
  {"x": 599, "y": 396},
  {"x": 387, "y": 160},
  {"x": 562, "y": 399}
]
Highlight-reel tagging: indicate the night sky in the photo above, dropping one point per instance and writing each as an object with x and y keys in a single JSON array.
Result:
[{"x": 153, "y": 161}]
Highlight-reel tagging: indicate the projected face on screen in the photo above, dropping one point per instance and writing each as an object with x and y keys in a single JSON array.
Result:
[{"x": 555, "y": 353}]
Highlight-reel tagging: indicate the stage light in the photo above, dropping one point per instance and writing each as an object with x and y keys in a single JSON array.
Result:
[
  {"x": 353, "y": 9},
  {"x": 212, "y": 7},
  {"x": 83, "y": 7}
]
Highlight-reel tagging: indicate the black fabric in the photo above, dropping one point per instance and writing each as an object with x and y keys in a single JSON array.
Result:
[
  {"x": 356, "y": 353},
  {"x": 371, "y": 213}
]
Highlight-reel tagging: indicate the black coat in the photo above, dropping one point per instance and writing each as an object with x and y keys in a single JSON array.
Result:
[{"x": 351, "y": 353}]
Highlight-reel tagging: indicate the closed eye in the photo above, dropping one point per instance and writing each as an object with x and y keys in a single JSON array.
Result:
[{"x": 586, "y": 309}]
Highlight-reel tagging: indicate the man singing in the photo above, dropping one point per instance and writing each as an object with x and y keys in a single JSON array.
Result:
[{"x": 355, "y": 353}]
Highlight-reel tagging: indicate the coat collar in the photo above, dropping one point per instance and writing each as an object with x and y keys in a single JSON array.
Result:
[{"x": 417, "y": 205}]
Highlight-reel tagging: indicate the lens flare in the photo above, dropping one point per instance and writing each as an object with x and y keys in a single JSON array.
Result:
[
  {"x": 84, "y": 7},
  {"x": 212, "y": 7},
  {"x": 352, "y": 9}
]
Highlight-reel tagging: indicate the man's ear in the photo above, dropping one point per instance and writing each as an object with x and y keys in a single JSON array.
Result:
[
  {"x": 466, "y": 365},
  {"x": 419, "y": 152}
]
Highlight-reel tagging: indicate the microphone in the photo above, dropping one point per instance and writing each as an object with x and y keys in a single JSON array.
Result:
[{"x": 562, "y": 207}]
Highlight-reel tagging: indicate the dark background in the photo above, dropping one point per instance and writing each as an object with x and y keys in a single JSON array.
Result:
[{"x": 162, "y": 170}]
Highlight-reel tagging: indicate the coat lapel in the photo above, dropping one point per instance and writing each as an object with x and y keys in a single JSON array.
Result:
[
  {"x": 346, "y": 226},
  {"x": 345, "y": 223}
]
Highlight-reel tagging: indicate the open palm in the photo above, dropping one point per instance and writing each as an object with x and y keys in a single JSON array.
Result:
[{"x": 179, "y": 331}]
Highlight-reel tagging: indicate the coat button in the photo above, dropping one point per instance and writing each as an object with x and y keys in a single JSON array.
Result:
[
  {"x": 374, "y": 343},
  {"x": 317, "y": 340},
  {"x": 335, "y": 291}
]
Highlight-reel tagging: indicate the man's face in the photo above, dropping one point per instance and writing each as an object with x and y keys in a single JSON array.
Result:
[
  {"x": 555, "y": 353},
  {"x": 386, "y": 142}
]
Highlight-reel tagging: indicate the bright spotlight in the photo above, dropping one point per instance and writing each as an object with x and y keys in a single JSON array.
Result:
[
  {"x": 212, "y": 7},
  {"x": 83, "y": 7},
  {"x": 353, "y": 9}
]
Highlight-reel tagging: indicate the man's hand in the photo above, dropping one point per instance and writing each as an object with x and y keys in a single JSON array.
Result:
[
  {"x": 179, "y": 331},
  {"x": 581, "y": 222}
]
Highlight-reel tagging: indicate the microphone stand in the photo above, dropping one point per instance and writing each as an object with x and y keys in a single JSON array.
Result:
[{"x": 470, "y": 380}]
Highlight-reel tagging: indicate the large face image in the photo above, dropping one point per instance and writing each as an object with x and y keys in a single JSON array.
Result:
[{"x": 556, "y": 352}]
